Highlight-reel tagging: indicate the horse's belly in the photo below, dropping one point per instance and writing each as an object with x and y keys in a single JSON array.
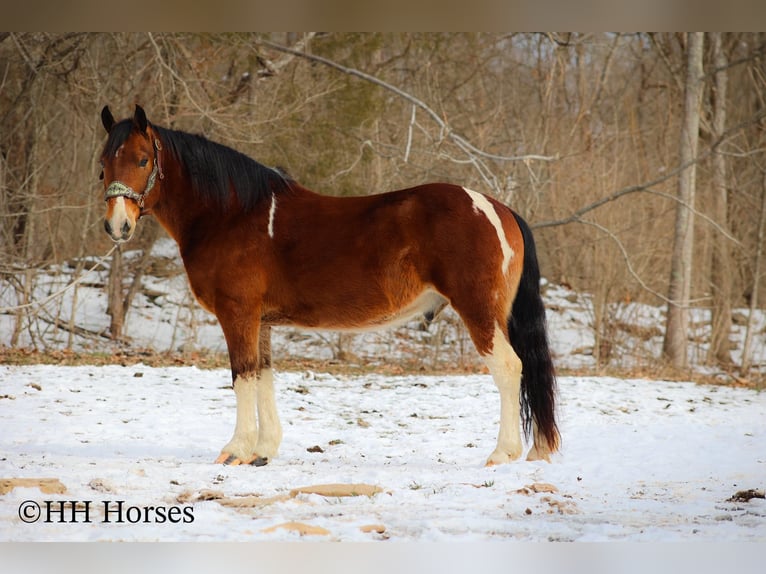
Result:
[
  {"x": 428, "y": 303},
  {"x": 359, "y": 315}
]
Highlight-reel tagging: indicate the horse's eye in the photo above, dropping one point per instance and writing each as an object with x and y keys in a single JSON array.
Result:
[
  {"x": 101, "y": 176},
  {"x": 143, "y": 162}
]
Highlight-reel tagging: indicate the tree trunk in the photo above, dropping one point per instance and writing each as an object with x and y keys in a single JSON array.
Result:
[
  {"x": 115, "y": 308},
  {"x": 721, "y": 272},
  {"x": 761, "y": 238},
  {"x": 675, "y": 344},
  {"x": 152, "y": 232}
]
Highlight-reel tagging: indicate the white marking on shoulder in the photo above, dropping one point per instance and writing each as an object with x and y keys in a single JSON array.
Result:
[
  {"x": 272, "y": 211},
  {"x": 482, "y": 204}
]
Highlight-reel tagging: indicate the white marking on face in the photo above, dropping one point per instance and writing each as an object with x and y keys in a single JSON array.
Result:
[
  {"x": 482, "y": 204},
  {"x": 119, "y": 214},
  {"x": 119, "y": 210},
  {"x": 272, "y": 211}
]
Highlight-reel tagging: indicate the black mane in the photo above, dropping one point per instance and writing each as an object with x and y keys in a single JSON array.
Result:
[{"x": 213, "y": 169}]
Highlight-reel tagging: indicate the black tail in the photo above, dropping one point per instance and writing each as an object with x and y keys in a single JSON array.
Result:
[{"x": 526, "y": 331}]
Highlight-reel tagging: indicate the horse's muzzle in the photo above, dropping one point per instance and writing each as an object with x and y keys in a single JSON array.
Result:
[
  {"x": 118, "y": 224},
  {"x": 119, "y": 236}
]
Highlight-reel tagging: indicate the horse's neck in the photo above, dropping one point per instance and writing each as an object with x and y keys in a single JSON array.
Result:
[{"x": 177, "y": 212}]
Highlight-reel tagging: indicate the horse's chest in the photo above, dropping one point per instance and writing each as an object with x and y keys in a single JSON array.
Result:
[
  {"x": 203, "y": 295},
  {"x": 204, "y": 284}
]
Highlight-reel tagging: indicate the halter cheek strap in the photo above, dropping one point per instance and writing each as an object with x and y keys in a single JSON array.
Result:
[{"x": 119, "y": 189}]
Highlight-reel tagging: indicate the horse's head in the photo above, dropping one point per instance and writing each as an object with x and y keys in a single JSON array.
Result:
[{"x": 131, "y": 168}]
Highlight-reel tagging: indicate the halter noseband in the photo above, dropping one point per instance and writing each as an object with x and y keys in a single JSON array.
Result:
[{"x": 119, "y": 189}]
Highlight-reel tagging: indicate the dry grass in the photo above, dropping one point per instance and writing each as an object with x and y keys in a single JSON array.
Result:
[{"x": 659, "y": 371}]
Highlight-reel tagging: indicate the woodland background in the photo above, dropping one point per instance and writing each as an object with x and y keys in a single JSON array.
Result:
[{"x": 639, "y": 159}]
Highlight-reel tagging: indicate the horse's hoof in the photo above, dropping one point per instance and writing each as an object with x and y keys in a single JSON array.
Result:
[
  {"x": 226, "y": 458},
  {"x": 534, "y": 455},
  {"x": 501, "y": 457},
  {"x": 233, "y": 460}
]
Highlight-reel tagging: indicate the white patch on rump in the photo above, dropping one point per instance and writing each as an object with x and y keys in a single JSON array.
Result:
[
  {"x": 482, "y": 204},
  {"x": 272, "y": 211}
]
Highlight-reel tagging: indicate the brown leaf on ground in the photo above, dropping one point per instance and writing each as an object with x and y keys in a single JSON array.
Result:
[
  {"x": 747, "y": 495},
  {"x": 536, "y": 488},
  {"x": 338, "y": 490},
  {"x": 101, "y": 485},
  {"x": 207, "y": 494},
  {"x": 252, "y": 501},
  {"x": 560, "y": 506},
  {"x": 300, "y": 528},
  {"x": 46, "y": 485}
]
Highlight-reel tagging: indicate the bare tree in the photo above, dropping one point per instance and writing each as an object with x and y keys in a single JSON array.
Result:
[
  {"x": 679, "y": 289},
  {"x": 757, "y": 272},
  {"x": 721, "y": 265}
]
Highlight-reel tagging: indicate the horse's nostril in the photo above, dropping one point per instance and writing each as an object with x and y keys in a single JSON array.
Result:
[
  {"x": 125, "y": 229},
  {"x": 107, "y": 226}
]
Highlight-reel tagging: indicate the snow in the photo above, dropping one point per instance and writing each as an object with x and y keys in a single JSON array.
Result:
[{"x": 642, "y": 460}]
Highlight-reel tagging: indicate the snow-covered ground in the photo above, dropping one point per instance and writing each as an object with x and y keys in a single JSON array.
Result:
[{"x": 642, "y": 460}]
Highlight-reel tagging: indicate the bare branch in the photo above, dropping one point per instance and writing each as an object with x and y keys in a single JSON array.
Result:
[
  {"x": 629, "y": 266},
  {"x": 443, "y": 125},
  {"x": 61, "y": 291},
  {"x": 273, "y": 68},
  {"x": 576, "y": 216}
]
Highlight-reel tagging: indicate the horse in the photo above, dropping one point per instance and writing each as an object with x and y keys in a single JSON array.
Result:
[{"x": 260, "y": 250}]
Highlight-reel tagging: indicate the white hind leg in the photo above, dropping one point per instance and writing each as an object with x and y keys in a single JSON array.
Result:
[
  {"x": 540, "y": 449},
  {"x": 269, "y": 427},
  {"x": 505, "y": 367}
]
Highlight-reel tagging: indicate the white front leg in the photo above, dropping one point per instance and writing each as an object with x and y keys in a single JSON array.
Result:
[{"x": 242, "y": 444}]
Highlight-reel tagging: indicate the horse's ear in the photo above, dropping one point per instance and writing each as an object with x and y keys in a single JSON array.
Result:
[
  {"x": 139, "y": 118},
  {"x": 107, "y": 119}
]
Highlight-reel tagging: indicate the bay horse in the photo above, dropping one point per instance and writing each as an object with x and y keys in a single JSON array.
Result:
[{"x": 261, "y": 250}]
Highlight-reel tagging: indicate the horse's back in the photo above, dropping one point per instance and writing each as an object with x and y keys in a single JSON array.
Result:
[{"x": 427, "y": 225}]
